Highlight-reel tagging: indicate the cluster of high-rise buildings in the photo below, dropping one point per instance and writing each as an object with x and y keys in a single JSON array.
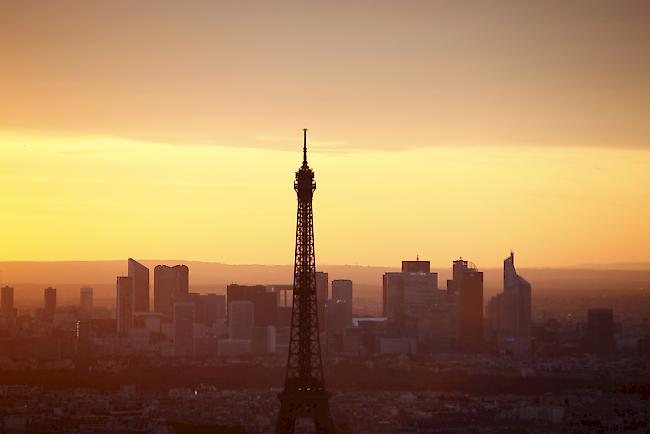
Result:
[
  {"x": 179, "y": 315},
  {"x": 248, "y": 319},
  {"x": 420, "y": 316}
]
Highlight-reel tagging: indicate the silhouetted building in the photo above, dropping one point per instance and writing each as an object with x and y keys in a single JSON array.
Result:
[
  {"x": 184, "y": 329},
  {"x": 86, "y": 301},
  {"x": 263, "y": 340},
  {"x": 408, "y": 299},
  {"x": 599, "y": 334},
  {"x": 468, "y": 284},
  {"x": 336, "y": 320},
  {"x": 416, "y": 266},
  {"x": 7, "y": 301},
  {"x": 509, "y": 313},
  {"x": 82, "y": 329},
  {"x": 216, "y": 308},
  {"x": 140, "y": 275},
  {"x": 124, "y": 304},
  {"x": 322, "y": 286},
  {"x": 264, "y": 301},
  {"x": 50, "y": 303},
  {"x": 342, "y": 290},
  {"x": 207, "y": 307},
  {"x": 241, "y": 320},
  {"x": 171, "y": 284}
]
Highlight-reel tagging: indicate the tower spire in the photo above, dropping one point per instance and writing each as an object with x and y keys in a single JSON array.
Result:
[{"x": 304, "y": 147}]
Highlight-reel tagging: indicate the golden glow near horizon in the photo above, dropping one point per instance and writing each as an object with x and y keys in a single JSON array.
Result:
[
  {"x": 104, "y": 198},
  {"x": 172, "y": 130}
]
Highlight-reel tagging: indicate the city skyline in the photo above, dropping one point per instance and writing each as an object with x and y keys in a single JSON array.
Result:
[{"x": 499, "y": 151}]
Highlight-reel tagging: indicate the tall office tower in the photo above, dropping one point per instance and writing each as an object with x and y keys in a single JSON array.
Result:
[
  {"x": 170, "y": 284},
  {"x": 50, "y": 303},
  {"x": 7, "y": 301},
  {"x": 140, "y": 275},
  {"x": 184, "y": 329},
  {"x": 219, "y": 302},
  {"x": 322, "y": 295},
  {"x": 600, "y": 331},
  {"x": 521, "y": 314},
  {"x": 207, "y": 307},
  {"x": 468, "y": 283},
  {"x": 304, "y": 393},
  {"x": 336, "y": 320},
  {"x": 264, "y": 300},
  {"x": 86, "y": 301},
  {"x": 509, "y": 313},
  {"x": 263, "y": 340},
  {"x": 124, "y": 304},
  {"x": 408, "y": 299},
  {"x": 241, "y": 319},
  {"x": 342, "y": 290},
  {"x": 215, "y": 308}
]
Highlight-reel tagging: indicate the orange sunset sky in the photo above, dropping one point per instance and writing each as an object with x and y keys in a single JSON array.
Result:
[{"x": 172, "y": 130}]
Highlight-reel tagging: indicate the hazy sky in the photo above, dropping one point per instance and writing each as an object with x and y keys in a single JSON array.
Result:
[{"x": 160, "y": 129}]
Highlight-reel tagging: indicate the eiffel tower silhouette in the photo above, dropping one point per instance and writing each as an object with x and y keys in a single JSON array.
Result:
[{"x": 304, "y": 394}]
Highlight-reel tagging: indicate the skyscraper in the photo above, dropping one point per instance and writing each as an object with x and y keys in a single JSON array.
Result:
[
  {"x": 265, "y": 302},
  {"x": 322, "y": 286},
  {"x": 408, "y": 299},
  {"x": 304, "y": 393},
  {"x": 124, "y": 304},
  {"x": 140, "y": 275},
  {"x": 86, "y": 301},
  {"x": 509, "y": 313},
  {"x": 342, "y": 290},
  {"x": 7, "y": 301},
  {"x": 241, "y": 319},
  {"x": 216, "y": 307},
  {"x": 208, "y": 308},
  {"x": 171, "y": 284},
  {"x": 184, "y": 329},
  {"x": 600, "y": 331},
  {"x": 468, "y": 284},
  {"x": 49, "y": 295}
]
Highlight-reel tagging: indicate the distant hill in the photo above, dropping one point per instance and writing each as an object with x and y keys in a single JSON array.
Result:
[{"x": 641, "y": 266}]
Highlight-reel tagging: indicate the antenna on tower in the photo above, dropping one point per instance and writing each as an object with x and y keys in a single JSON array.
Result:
[{"x": 304, "y": 147}]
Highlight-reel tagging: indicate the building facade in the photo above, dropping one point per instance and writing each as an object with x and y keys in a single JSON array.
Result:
[
  {"x": 509, "y": 312},
  {"x": 49, "y": 308},
  {"x": 171, "y": 284},
  {"x": 467, "y": 285},
  {"x": 409, "y": 297},
  {"x": 241, "y": 320},
  {"x": 265, "y": 302},
  {"x": 124, "y": 304},
  {"x": 184, "y": 329},
  {"x": 140, "y": 275},
  {"x": 86, "y": 301}
]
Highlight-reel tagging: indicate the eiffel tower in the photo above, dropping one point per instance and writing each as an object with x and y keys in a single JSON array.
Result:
[{"x": 304, "y": 394}]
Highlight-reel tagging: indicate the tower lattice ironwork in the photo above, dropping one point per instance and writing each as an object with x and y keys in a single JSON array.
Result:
[{"x": 304, "y": 394}]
